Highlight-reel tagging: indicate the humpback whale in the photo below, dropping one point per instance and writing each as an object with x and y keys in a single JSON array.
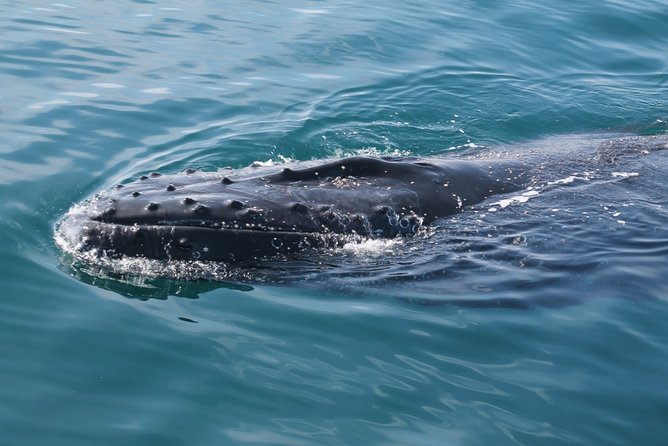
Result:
[
  {"x": 260, "y": 212},
  {"x": 256, "y": 213}
]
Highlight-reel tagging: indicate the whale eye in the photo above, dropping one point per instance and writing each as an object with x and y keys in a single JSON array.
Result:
[
  {"x": 136, "y": 194},
  {"x": 171, "y": 188},
  {"x": 189, "y": 200},
  {"x": 152, "y": 207},
  {"x": 143, "y": 177}
]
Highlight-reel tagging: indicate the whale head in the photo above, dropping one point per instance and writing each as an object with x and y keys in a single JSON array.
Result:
[{"x": 208, "y": 216}]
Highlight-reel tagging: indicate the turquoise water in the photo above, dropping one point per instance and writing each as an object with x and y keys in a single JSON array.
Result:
[{"x": 538, "y": 323}]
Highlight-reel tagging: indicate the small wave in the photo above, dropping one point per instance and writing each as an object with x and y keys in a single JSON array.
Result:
[{"x": 625, "y": 174}]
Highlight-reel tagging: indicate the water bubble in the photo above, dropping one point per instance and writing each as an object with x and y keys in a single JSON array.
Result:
[{"x": 519, "y": 240}]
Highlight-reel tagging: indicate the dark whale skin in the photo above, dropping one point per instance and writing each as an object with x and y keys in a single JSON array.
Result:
[{"x": 258, "y": 213}]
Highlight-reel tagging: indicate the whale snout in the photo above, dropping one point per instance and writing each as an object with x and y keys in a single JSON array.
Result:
[{"x": 190, "y": 217}]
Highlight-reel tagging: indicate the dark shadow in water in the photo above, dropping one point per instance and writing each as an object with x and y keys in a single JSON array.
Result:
[
  {"x": 308, "y": 276},
  {"x": 145, "y": 288}
]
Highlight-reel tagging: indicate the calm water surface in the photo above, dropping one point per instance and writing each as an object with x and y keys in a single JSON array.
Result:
[{"x": 540, "y": 322}]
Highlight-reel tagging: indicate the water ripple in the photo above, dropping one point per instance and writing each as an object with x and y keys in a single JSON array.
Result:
[{"x": 538, "y": 322}]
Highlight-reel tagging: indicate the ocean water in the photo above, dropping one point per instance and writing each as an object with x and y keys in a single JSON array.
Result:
[{"x": 533, "y": 319}]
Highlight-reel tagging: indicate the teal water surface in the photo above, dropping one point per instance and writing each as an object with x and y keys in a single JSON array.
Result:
[{"x": 542, "y": 322}]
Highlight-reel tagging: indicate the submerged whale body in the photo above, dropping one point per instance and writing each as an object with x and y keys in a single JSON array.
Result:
[{"x": 257, "y": 213}]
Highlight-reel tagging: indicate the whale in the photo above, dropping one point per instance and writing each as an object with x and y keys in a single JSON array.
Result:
[{"x": 254, "y": 213}]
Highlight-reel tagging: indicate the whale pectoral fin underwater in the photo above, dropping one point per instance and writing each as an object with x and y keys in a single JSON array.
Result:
[{"x": 253, "y": 214}]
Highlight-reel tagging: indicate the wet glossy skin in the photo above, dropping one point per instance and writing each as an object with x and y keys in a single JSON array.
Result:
[{"x": 252, "y": 214}]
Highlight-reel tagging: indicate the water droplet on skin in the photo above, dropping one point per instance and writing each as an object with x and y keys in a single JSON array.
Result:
[{"x": 184, "y": 244}]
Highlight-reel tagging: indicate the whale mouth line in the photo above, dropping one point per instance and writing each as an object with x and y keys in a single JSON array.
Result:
[
  {"x": 194, "y": 242},
  {"x": 144, "y": 229},
  {"x": 199, "y": 226}
]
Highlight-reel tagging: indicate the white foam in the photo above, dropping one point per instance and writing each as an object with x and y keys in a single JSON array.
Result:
[
  {"x": 568, "y": 180},
  {"x": 372, "y": 247},
  {"x": 517, "y": 199},
  {"x": 625, "y": 174},
  {"x": 371, "y": 151},
  {"x": 272, "y": 162}
]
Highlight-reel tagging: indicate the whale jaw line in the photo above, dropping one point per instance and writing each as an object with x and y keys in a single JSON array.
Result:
[{"x": 183, "y": 242}]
